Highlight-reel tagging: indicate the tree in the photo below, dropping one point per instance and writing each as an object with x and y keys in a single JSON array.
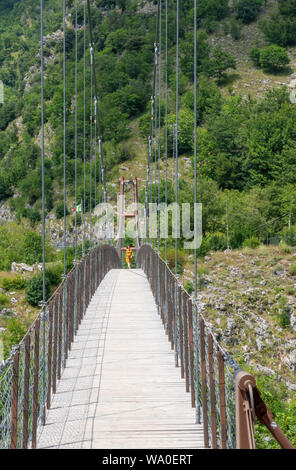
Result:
[
  {"x": 255, "y": 55},
  {"x": 220, "y": 62},
  {"x": 247, "y": 10},
  {"x": 274, "y": 58}
]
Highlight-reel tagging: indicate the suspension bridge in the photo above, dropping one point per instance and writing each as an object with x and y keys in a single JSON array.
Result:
[{"x": 122, "y": 358}]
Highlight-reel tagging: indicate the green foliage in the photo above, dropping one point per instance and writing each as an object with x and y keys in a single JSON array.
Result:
[
  {"x": 16, "y": 283},
  {"x": 217, "y": 241},
  {"x": 280, "y": 28},
  {"x": 235, "y": 29},
  {"x": 289, "y": 235},
  {"x": 275, "y": 396},
  {"x": 185, "y": 127},
  {"x": 181, "y": 259},
  {"x": 213, "y": 9},
  {"x": 189, "y": 287},
  {"x": 252, "y": 242},
  {"x": 53, "y": 274},
  {"x": 59, "y": 211},
  {"x": 34, "y": 290},
  {"x": 255, "y": 56},
  {"x": 15, "y": 331},
  {"x": 274, "y": 58},
  {"x": 220, "y": 62},
  {"x": 4, "y": 300},
  {"x": 292, "y": 269},
  {"x": 32, "y": 247},
  {"x": 248, "y": 10}
]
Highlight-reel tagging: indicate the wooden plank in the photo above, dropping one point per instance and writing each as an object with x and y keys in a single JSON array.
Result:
[{"x": 122, "y": 371}]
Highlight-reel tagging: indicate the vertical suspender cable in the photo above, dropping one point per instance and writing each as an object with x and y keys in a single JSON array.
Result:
[
  {"x": 65, "y": 207},
  {"x": 84, "y": 146},
  {"x": 176, "y": 150},
  {"x": 166, "y": 153},
  {"x": 198, "y": 410},
  {"x": 76, "y": 203},
  {"x": 90, "y": 167},
  {"x": 43, "y": 215},
  {"x": 166, "y": 117},
  {"x": 159, "y": 133}
]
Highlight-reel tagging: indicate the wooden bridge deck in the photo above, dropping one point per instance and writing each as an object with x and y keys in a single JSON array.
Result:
[{"x": 120, "y": 388}]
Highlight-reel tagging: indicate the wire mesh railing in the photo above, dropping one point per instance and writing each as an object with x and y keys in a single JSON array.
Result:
[
  {"x": 29, "y": 377},
  {"x": 221, "y": 393}
]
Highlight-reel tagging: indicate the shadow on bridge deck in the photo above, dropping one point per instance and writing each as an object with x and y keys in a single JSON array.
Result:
[{"x": 120, "y": 388}]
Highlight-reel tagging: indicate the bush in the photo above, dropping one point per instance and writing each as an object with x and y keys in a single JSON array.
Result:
[
  {"x": 274, "y": 58},
  {"x": 32, "y": 247},
  {"x": 34, "y": 290},
  {"x": 180, "y": 262},
  {"x": 217, "y": 241},
  {"x": 53, "y": 274},
  {"x": 248, "y": 10},
  {"x": 16, "y": 283},
  {"x": 255, "y": 55},
  {"x": 15, "y": 331},
  {"x": 60, "y": 211},
  {"x": 204, "y": 248},
  {"x": 289, "y": 236},
  {"x": 252, "y": 242},
  {"x": 189, "y": 287},
  {"x": 292, "y": 269},
  {"x": 235, "y": 29},
  {"x": 4, "y": 300}
]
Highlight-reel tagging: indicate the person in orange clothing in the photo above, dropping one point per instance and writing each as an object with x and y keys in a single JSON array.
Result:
[{"x": 128, "y": 255}]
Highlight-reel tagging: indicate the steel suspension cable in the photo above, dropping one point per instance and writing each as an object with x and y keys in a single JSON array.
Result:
[
  {"x": 76, "y": 202},
  {"x": 198, "y": 408},
  {"x": 166, "y": 118},
  {"x": 84, "y": 122},
  {"x": 98, "y": 124},
  {"x": 65, "y": 195},
  {"x": 90, "y": 168},
  {"x": 84, "y": 149},
  {"x": 43, "y": 214},
  {"x": 177, "y": 183},
  {"x": 159, "y": 129}
]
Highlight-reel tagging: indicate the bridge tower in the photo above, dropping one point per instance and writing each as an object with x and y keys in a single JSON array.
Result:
[{"x": 122, "y": 215}]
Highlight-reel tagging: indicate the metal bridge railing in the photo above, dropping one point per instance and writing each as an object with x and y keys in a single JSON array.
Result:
[
  {"x": 226, "y": 399},
  {"x": 29, "y": 377}
]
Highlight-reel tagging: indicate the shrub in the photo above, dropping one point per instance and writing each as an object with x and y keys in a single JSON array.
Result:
[
  {"x": 255, "y": 55},
  {"x": 252, "y": 242},
  {"x": 284, "y": 314},
  {"x": 34, "y": 290},
  {"x": 289, "y": 236},
  {"x": 53, "y": 274},
  {"x": 180, "y": 262},
  {"x": 217, "y": 241},
  {"x": 235, "y": 29},
  {"x": 32, "y": 247},
  {"x": 17, "y": 283},
  {"x": 248, "y": 10},
  {"x": 204, "y": 248},
  {"x": 189, "y": 287},
  {"x": 4, "y": 300},
  {"x": 274, "y": 58},
  {"x": 292, "y": 269},
  {"x": 15, "y": 331},
  {"x": 60, "y": 211}
]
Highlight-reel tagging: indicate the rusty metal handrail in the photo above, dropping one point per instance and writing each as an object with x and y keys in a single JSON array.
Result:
[
  {"x": 23, "y": 396},
  {"x": 249, "y": 404},
  {"x": 225, "y": 396}
]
